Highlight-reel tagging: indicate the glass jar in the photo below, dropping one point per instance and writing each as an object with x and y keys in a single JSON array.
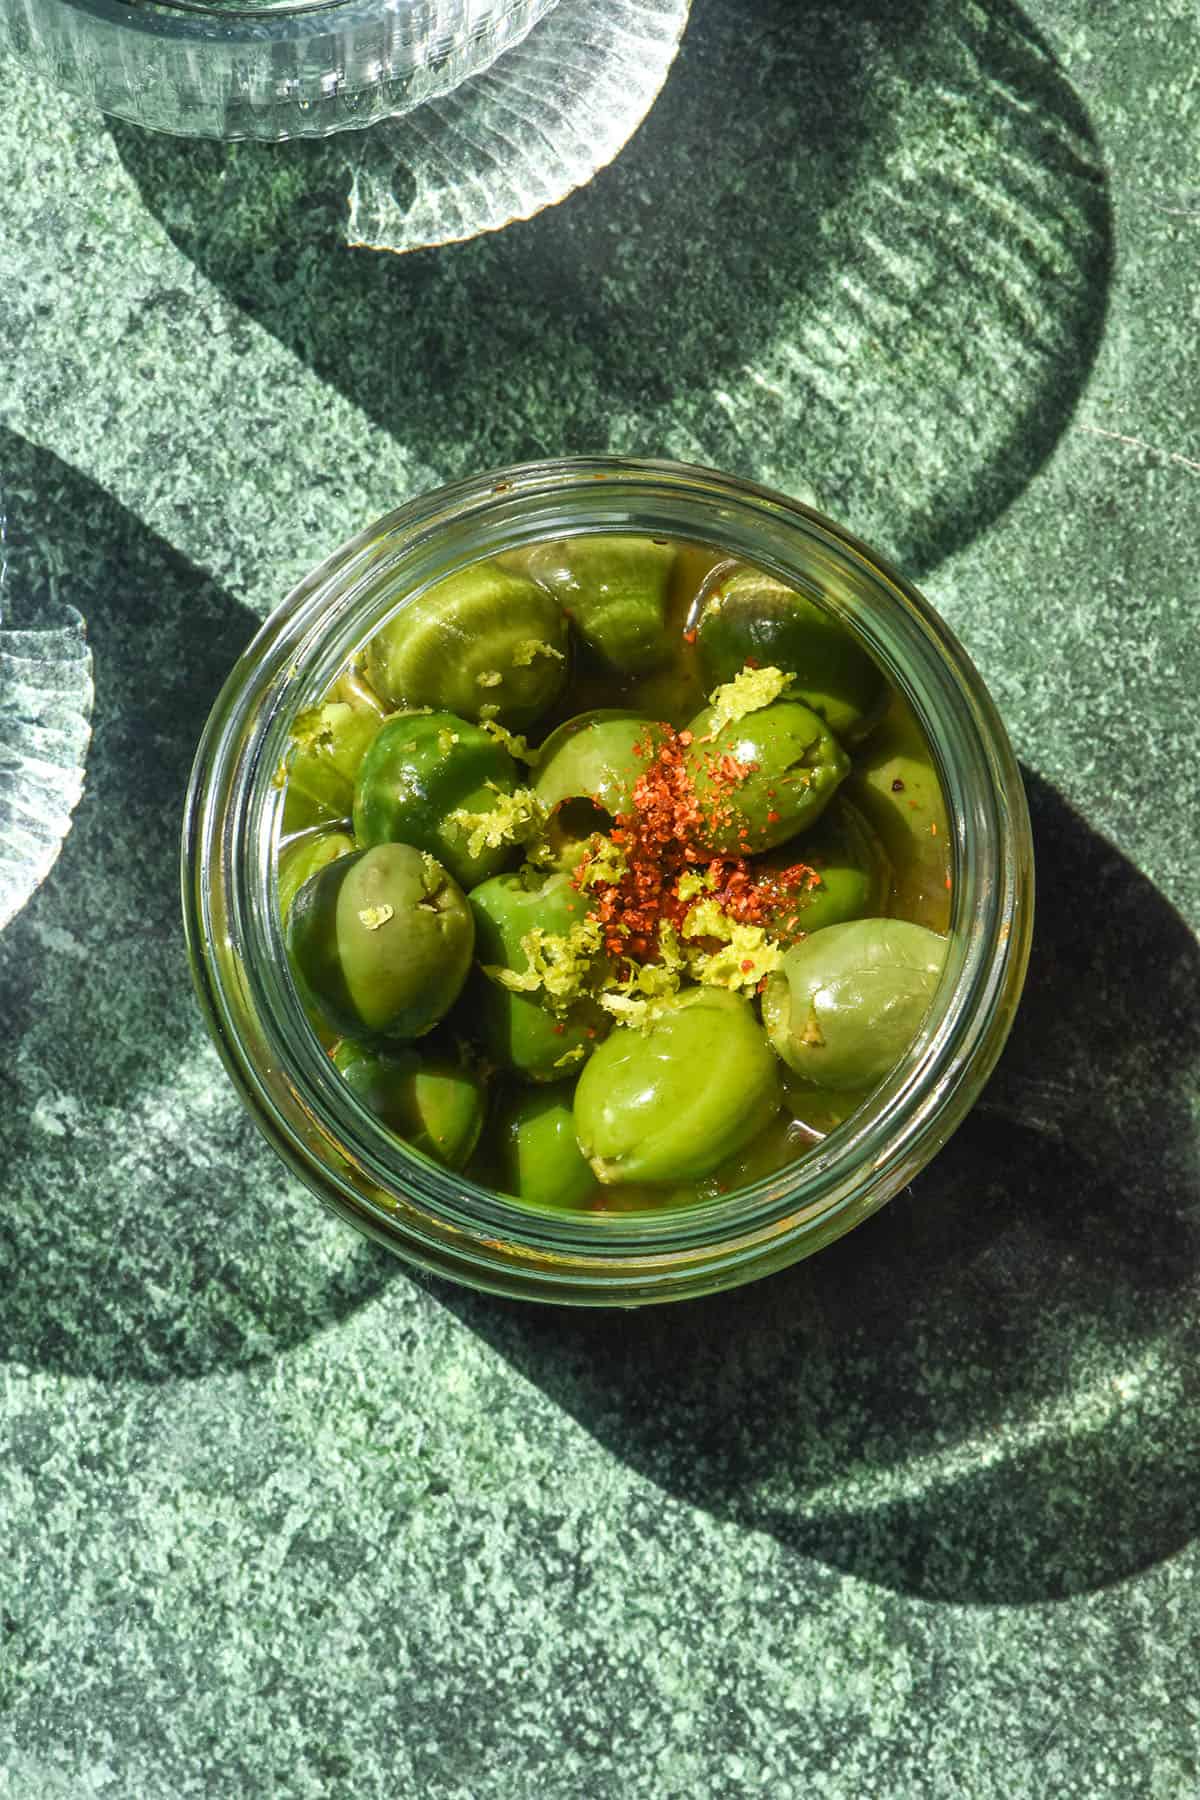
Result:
[
  {"x": 444, "y": 1222},
  {"x": 265, "y": 69}
]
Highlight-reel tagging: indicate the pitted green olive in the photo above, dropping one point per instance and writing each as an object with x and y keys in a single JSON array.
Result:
[
  {"x": 430, "y": 1102},
  {"x": 848, "y": 1001},
  {"x": 380, "y": 942},
  {"x": 791, "y": 766},
  {"x": 615, "y": 591},
  {"x": 422, "y": 769},
  {"x": 597, "y": 756},
  {"x": 524, "y": 1031},
  {"x": 586, "y": 773},
  {"x": 539, "y": 1158},
  {"x": 484, "y": 643},
  {"x": 672, "y": 1100},
  {"x": 742, "y": 616}
]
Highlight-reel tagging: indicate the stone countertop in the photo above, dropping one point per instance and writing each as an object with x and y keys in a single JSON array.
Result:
[{"x": 918, "y": 1518}]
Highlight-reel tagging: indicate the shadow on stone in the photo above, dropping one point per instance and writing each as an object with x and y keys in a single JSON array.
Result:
[
  {"x": 986, "y": 1393},
  {"x": 860, "y": 249},
  {"x": 146, "y": 1231}
]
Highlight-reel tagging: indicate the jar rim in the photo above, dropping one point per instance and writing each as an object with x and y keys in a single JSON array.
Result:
[{"x": 442, "y": 1220}]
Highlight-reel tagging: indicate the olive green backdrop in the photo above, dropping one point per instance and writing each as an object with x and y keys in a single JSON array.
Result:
[{"x": 916, "y": 1519}]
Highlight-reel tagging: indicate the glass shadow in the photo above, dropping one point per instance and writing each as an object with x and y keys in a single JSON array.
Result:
[
  {"x": 986, "y": 1393},
  {"x": 859, "y": 249},
  {"x": 146, "y": 1231}
]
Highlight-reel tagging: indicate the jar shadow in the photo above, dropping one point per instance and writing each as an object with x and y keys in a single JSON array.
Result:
[
  {"x": 147, "y": 1231},
  {"x": 984, "y": 1394},
  {"x": 859, "y": 248}
]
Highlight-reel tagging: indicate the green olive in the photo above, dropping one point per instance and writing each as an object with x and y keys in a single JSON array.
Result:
[
  {"x": 300, "y": 861},
  {"x": 539, "y": 1159},
  {"x": 430, "y": 1102},
  {"x": 793, "y": 766},
  {"x": 895, "y": 786},
  {"x": 669, "y": 1102},
  {"x": 328, "y": 744},
  {"x": 484, "y": 643},
  {"x": 816, "y": 1111},
  {"x": 615, "y": 591},
  {"x": 421, "y": 769},
  {"x": 743, "y": 616},
  {"x": 848, "y": 1001},
  {"x": 586, "y": 774},
  {"x": 842, "y": 874},
  {"x": 521, "y": 1031},
  {"x": 380, "y": 942}
]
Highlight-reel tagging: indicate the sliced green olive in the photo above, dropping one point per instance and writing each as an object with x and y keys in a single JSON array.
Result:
[
  {"x": 672, "y": 1101},
  {"x": 539, "y": 1159},
  {"x": 485, "y": 643},
  {"x": 791, "y": 766},
  {"x": 380, "y": 942},
  {"x": 422, "y": 769},
  {"x": 848, "y": 1001},
  {"x": 433, "y": 1104},
  {"x": 616, "y": 591},
  {"x": 743, "y": 616},
  {"x": 523, "y": 1031}
]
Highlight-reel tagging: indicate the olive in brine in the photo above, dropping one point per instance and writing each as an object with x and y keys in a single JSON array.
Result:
[
  {"x": 433, "y": 1104},
  {"x": 304, "y": 858},
  {"x": 539, "y": 1159},
  {"x": 848, "y": 1001},
  {"x": 834, "y": 873},
  {"x": 328, "y": 745},
  {"x": 421, "y": 769},
  {"x": 532, "y": 1033},
  {"x": 380, "y": 942},
  {"x": 485, "y": 643},
  {"x": 586, "y": 773},
  {"x": 743, "y": 616},
  {"x": 616, "y": 591},
  {"x": 762, "y": 778},
  {"x": 671, "y": 1100}
]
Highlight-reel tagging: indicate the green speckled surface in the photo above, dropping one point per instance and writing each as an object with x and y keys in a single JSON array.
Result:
[{"x": 918, "y": 1518}]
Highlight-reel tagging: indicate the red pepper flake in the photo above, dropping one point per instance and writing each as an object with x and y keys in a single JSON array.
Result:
[
  {"x": 947, "y": 884},
  {"x": 772, "y": 817},
  {"x": 663, "y": 838},
  {"x": 933, "y": 828},
  {"x": 747, "y": 965},
  {"x": 689, "y": 637},
  {"x": 752, "y": 662},
  {"x": 559, "y": 1030}
]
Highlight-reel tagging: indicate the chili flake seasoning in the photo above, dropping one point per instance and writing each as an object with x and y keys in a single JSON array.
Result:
[{"x": 667, "y": 869}]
